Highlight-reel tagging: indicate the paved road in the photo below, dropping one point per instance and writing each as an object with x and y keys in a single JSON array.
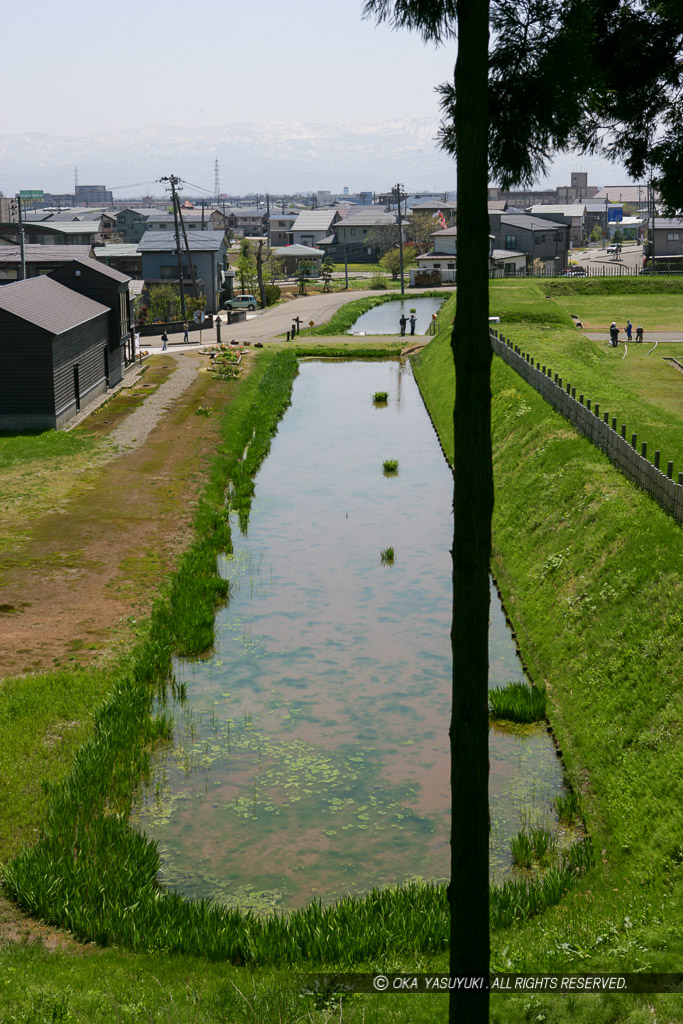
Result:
[
  {"x": 630, "y": 256},
  {"x": 267, "y": 325}
]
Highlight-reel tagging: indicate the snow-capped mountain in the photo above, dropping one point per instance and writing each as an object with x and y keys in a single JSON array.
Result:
[{"x": 274, "y": 157}]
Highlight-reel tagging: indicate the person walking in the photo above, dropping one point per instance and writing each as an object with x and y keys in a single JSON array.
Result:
[
  {"x": 639, "y": 335},
  {"x": 164, "y": 341},
  {"x": 413, "y": 321},
  {"x": 614, "y": 334},
  {"x": 628, "y": 329},
  {"x": 402, "y": 324},
  {"x": 186, "y": 328}
]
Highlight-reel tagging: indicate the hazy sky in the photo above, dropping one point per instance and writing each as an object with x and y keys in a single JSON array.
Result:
[{"x": 78, "y": 66}]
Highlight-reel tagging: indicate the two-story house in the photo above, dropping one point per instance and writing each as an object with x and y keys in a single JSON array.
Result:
[
  {"x": 208, "y": 251},
  {"x": 539, "y": 239}
]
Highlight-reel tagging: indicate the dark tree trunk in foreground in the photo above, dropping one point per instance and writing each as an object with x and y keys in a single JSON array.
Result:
[{"x": 473, "y": 506}]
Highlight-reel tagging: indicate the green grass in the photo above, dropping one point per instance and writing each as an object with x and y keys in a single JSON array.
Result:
[
  {"x": 390, "y": 467},
  {"x": 387, "y": 556},
  {"x": 380, "y": 397},
  {"x": 518, "y": 702}
]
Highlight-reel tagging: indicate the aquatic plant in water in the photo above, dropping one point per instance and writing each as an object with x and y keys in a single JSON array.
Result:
[
  {"x": 380, "y": 397},
  {"x": 390, "y": 467},
  {"x": 387, "y": 556},
  {"x": 518, "y": 702}
]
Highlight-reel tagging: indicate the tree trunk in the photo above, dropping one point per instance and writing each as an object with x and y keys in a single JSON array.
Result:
[{"x": 472, "y": 506}]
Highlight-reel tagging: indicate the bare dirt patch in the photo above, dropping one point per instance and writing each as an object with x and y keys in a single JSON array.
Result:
[{"x": 82, "y": 570}]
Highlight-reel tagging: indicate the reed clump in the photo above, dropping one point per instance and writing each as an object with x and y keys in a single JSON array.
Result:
[
  {"x": 380, "y": 397},
  {"x": 387, "y": 556},
  {"x": 518, "y": 702},
  {"x": 390, "y": 467}
]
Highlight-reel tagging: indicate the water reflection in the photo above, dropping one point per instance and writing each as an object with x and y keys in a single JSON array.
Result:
[
  {"x": 311, "y": 757},
  {"x": 384, "y": 319}
]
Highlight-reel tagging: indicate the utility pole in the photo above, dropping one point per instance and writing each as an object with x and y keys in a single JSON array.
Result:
[
  {"x": 397, "y": 190},
  {"x": 189, "y": 257},
  {"x": 21, "y": 241},
  {"x": 173, "y": 181}
]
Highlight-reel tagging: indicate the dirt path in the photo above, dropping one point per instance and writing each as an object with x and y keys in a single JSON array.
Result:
[{"x": 85, "y": 569}]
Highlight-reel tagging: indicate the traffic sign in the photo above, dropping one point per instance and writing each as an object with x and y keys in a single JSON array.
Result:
[
  {"x": 31, "y": 193},
  {"x": 199, "y": 317}
]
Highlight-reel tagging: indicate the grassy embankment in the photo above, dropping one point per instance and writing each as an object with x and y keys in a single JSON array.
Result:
[
  {"x": 592, "y": 575},
  {"x": 189, "y": 980}
]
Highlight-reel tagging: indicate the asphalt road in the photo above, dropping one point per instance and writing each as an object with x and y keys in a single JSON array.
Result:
[
  {"x": 266, "y": 325},
  {"x": 630, "y": 256}
]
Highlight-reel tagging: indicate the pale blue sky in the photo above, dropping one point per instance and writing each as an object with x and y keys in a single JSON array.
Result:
[{"x": 80, "y": 68}]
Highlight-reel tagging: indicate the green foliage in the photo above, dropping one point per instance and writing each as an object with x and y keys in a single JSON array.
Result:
[
  {"x": 245, "y": 266},
  {"x": 380, "y": 397},
  {"x": 518, "y": 702},
  {"x": 163, "y": 304},
  {"x": 273, "y": 294},
  {"x": 387, "y": 556},
  {"x": 377, "y": 283},
  {"x": 390, "y": 467},
  {"x": 391, "y": 263}
]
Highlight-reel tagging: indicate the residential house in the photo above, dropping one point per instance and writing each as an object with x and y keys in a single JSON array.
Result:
[
  {"x": 443, "y": 255},
  {"x": 207, "y": 250},
  {"x": 131, "y": 223},
  {"x": 109, "y": 287},
  {"x": 246, "y": 221},
  {"x": 540, "y": 239},
  {"x": 573, "y": 215},
  {"x": 434, "y": 207},
  {"x": 121, "y": 256},
  {"x": 668, "y": 236},
  {"x": 292, "y": 256},
  {"x": 312, "y": 226},
  {"x": 54, "y": 354},
  {"x": 59, "y": 233},
  {"x": 39, "y": 259},
  {"x": 280, "y": 227}
]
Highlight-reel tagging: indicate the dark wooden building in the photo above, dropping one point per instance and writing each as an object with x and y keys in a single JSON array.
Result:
[
  {"x": 110, "y": 287},
  {"x": 55, "y": 355}
]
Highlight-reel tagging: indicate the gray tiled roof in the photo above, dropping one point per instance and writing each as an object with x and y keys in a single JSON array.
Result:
[
  {"x": 369, "y": 216},
  {"x": 102, "y": 268},
  {"x": 47, "y": 304},
  {"x": 314, "y": 220},
  {"x": 70, "y": 227},
  {"x": 524, "y": 220},
  {"x": 35, "y": 253},
  {"x": 116, "y": 249},
  {"x": 198, "y": 241}
]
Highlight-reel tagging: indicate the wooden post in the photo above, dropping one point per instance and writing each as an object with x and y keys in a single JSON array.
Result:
[
  {"x": 670, "y": 470},
  {"x": 657, "y": 455}
]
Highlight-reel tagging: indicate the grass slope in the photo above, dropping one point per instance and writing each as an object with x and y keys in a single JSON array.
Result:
[{"x": 592, "y": 575}]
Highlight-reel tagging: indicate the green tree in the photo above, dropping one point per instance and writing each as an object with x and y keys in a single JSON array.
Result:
[
  {"x": 420, "y": 229},
  {"x": 391, "y": 263},
  {"x": 504, "y": 116},
  {"x": 304, "y": 274},
  {"x": 163, "y": 304},
  {"x": 246, "y": 267},
  {"x": 596, "y": 234},
  {"x": 326, "y": 274}
]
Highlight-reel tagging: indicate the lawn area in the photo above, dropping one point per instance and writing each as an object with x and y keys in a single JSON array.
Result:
[{"x": 642, "y": 389}]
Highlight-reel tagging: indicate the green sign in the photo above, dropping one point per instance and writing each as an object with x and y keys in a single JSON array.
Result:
[{"x": 31, "y": 193}]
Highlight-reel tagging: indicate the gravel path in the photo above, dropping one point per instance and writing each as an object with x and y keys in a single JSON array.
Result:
[{"x": 136, "y": 427}]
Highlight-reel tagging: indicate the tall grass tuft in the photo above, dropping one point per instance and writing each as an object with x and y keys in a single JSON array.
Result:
[
  {"x": 387, "y": 556},
  {"x": 380, "y": 397},
  {"x": 390, "y": 467},
  {"x": 518, "y": 702},
  {"x": 568, "y": 807}
]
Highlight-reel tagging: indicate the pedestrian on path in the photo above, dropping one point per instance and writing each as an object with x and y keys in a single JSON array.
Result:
[
  {"x": 164, "y": 340},
  {"x": 402, "y": 323},
  {"x": 186, "y": 328},
  {"x": 628, "y": 329},
  {"x": 614, "y": 334},
  {"x": 413, "y": 321},
  {"x": 639, "y": 335}
]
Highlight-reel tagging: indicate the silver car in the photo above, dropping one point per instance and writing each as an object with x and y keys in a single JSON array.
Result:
[{"x": 241, "y": 302}]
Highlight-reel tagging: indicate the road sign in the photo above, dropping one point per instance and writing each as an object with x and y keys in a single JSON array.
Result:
[
  {"x": 199, "y": 317},
  {"x": 31, "y": 193}
]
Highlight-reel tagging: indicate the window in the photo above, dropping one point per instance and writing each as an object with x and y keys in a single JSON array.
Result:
[
  {"x": 353, "y": 231},
  {"x": 672, "y": 236},
  {"x": 511, "y": 241}
]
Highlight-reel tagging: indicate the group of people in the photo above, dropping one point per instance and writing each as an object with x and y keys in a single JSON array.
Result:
[
  {"x": 403, "y": 322},
  {"x": 614, "y": 333},
  {"x": 186, "y": 336}
]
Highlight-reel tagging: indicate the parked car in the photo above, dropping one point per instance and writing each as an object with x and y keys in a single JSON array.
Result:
[
  {"x": 574, "y": 272},
  {"x": 241, "y": 302},
  {"x": 613, "y": 250}
]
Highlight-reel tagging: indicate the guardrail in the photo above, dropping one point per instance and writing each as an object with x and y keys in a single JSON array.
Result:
[{"x": 600, "y": 429}]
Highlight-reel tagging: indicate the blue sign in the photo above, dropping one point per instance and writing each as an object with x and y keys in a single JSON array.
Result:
[{"x": 615, "y": 213}]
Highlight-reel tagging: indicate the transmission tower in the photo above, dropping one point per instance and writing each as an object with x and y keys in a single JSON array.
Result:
[{"x": 216, "y": 183}]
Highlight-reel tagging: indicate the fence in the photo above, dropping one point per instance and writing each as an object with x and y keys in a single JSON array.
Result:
[{"x": 660, "y": 486}]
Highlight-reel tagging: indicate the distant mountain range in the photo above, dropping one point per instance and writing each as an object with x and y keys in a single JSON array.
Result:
[{"x": 277, "y": 157}]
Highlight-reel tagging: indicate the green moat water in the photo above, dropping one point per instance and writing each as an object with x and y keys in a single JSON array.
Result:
[{"x": 311, "y": 753}]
